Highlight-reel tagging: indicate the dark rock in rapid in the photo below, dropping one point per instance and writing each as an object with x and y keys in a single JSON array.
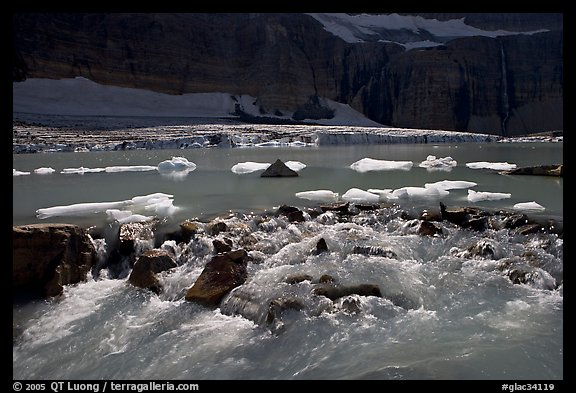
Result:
[
  {"x": 279, "y": 169},
  {"x": 295, "y": 279},
  {"x": 223, "y": 273},
  {"x": 528, "y": 229},
  {"x": 428, "y": 215},
  {"x": 428, "y": 228},
  {"x": 336, "y": 292},
  {"x": 340, "y": 208},
  {"x": 485, "y": 248},
  {"x": 466, "y": 217},
  {"x": 292, "y": 213},
  {"x": 538, "y": 170},
  {"x": 374, "y": 251},
  {"x": 222, "y": 246},
  {"x": 326, "y": 278},
  {"x": 216, "y": 227},
  {"x": 45, "y": 257},
  {"x": 321, "y": 247},
  {"x": 148, "y": 264}
]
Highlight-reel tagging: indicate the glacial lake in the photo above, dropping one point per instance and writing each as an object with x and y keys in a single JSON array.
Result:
[{"x": 213, "y": 189}]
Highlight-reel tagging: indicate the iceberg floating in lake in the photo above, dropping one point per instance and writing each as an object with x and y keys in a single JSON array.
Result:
[
  {"x": 81, "y": 170},
  {"x": 529, "y": 206},
  {"x": 318, "y": 195},
  {"x": 296, "y": 166},
  {"x": 417, "y": 192},
  {"x": 383, "y": 194},
  {"x": 44, "y": 171},
  {"x": 126, "y": 216},
  {"x": 161, "y": 204},
  {"x": 249, "y": 167},
  {"x": 451, "y": 184},
  {"x": 358, "y": 195},
  {"x": 19, "y": 173},
  {"x": 80, "y": 209},
  {"x": 477, "y": 196},
  {"x": 370, "y": 164},
  {"x": 438, "y": 164},
  {"x": 497, "y": 166},
  {"x": 176, "y": 164},
  {"x": 130, "y": 168}
]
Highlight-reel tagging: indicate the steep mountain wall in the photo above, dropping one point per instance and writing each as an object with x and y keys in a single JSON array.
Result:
[{"x": 503, "y": 85}]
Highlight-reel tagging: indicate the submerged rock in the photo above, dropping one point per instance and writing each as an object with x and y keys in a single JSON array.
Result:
[
  {"x": 45, "y": 257},
  {"x": 336, "y": 292},
  {"x": 143, "y": 274},
  {"x": 278, "y": 169},
  {"x": 321, "y": 247},
  {"x": 428, "y": 228},
  {"x": 223, "y": 273},
  {"x": 295, "y": 279}
]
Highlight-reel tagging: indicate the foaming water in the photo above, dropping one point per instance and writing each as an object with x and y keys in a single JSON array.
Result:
[{"x": 448, "y": 309}]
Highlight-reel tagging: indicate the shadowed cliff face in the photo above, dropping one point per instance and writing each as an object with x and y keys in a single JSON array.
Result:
[{"x": 285, "y": 60}]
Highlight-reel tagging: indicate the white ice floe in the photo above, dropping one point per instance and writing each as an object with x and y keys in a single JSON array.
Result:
[
  {"x": 497, "y": 166},
  {"x": 159, "y": 203},
  {"x": 438, "y": 164},
  {"x": 126, "y": 216},
  {"x": 82, "y": 170},
  {"x": 417, "y": 192},
  {"x": 296, "y": 166},
  {"x": 358, "y": 195},
  {"x": 383, "y": 194},
  {"x": 80, "y": 209},
  {"x": 318, "y": 195},
  {"x": 370, "y": 164},
  {"x": 477, "y": 196},
  {"x": 130, "y": 168},
  {"x": 451, "y": 184},
  {"x": 250, "y": 166},
  {"x": 44, "y": 171},
  {"x": 19, "y": 173},
  {"x": 176, "y": 164},
  {"x": 529, "y": 206}
]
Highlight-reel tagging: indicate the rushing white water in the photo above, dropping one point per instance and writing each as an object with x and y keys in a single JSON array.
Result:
[{"x": 446, "y": 312}]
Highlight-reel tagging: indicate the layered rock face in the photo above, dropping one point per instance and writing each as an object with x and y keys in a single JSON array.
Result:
[
  {"x": 45, "y": 257},
  {"x": 505, "y": 85}
]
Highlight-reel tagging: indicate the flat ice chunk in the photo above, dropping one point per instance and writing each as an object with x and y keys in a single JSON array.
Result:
[
  {"x": 126, "y": 216},
  {"x": 176, "y": 164},
  {"x": 150, "y": 198},
  {"x": 477, "y": 196},
  {"x": 82, "y": 170},
  {"x": 438, "y": 164},
  {"x": 417, "y": 192},
  {"x": 497, "y": 166},
  {"x": 44, "y": 171},
  {"x": 79, "y": 209},
  {"x": 296, "y": 166},
  {"x": 370, "y": 164},
  {"x": 130, "y": 168},
  {"x": 529, "y": 206},
  {"x": 19, "y": 173},
  {"x": 383, "y": 194},
  {"x": 451, "y": 184},
  {"x": 358, "y": 195},
  {"x": 249, "y": 167},
  {"x": 318, "y": 195}
]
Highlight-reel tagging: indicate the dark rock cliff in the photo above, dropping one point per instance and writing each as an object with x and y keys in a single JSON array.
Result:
[{"x": 506, "y": 85}]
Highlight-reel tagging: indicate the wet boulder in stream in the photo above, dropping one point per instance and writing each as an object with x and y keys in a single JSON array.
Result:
[
  {"x": 223, "y": 273},
  {"x": 144, "y": 272}
]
